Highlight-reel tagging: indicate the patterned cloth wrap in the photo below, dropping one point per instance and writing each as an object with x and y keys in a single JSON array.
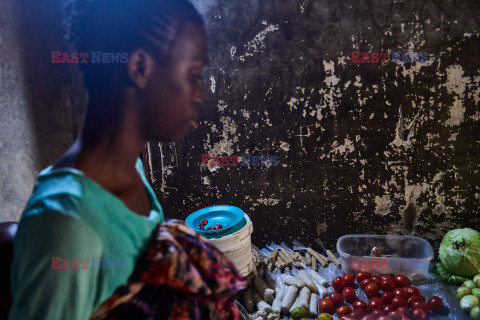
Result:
[{"x": 180, "y": 276}]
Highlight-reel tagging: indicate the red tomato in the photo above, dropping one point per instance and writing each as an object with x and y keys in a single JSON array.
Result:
[
  {"x": 420, "y": 304},
  {"x": 371, "y": 290},
  {"x": 398, "y": 301},
  {"x": 349, "y": 294},
  {"x": 395, "y": 315},
  {"x": 338, "y": 284},
  {"x": 388, "y": 308},
  {"x": 384, "y": 318},
  {"x": 343, "y": 311},
  {"x": 412, "y": 291},
  {"x": 378, "y": 312},
  {"x": 401, "y": 292},
  {"x": 376, "y": 279},
  {"x": 326, "y": 305},
  {"x": 436, "y": 304},
  {"x": 358, "y": 313},
  {"x": 359, "y": 304},
  {"x": 419, "y": 314},
  {"x": 402, "y": 281},
  {"x": 387, "y": 297},
  {"x": 349, "y": 279},
  {"x": 364, "y": 283},
  {"x": 406, "y": 311},
  {"x": 337, "y": 298},
  {"x": 347, "y": 317},
  {"x": 387, "y": 285},
  {"x": 386, "y": 277},
  {"x": 369, "y": 317},
  {"x": 375, "y": 303},
  {"x": 414, "y": 298},
  {"x": 363, "y": 275}
]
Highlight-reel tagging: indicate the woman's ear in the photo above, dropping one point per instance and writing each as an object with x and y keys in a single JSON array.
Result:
[{"x": 140, "y": 67}]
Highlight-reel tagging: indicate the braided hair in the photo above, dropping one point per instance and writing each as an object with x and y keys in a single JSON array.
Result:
[{"x": 120, "y": 26}]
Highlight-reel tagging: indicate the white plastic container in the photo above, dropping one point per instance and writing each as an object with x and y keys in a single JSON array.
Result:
[
  {"x": 238, "y": 247},
  {"x": 414, "y": 254}
]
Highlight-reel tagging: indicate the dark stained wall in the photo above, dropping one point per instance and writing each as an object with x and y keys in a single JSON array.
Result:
[{"x": 362, "y": 148}]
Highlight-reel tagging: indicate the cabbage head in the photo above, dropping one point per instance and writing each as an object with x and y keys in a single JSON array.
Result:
[{"x": 460, "y": 252}]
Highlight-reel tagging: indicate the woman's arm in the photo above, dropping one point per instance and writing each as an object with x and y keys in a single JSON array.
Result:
[{"x": 42, "y": 285}]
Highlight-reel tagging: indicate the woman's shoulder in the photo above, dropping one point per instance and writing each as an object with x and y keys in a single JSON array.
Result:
[
  {"x": 60, "y": 190},
  {"x": 54, "y": 212},
  {"x": 54, "y": 207}
]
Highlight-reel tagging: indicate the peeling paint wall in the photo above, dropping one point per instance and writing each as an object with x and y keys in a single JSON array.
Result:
[{"x": 363, "y": 148}]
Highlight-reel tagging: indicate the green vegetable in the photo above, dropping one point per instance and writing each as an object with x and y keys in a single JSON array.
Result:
[
  {"x": 447, "y": 277},
  {"x": 476, "y": 292},
  {"x": 299, "y": 313},
  {"x": 460, "y": 252},
  {"x": 476, "y": 278},
  {"x": 462, "y": 292},
  {"x": 470, "y": 284},
  {"x": 475, "y": 313},
  {"x": 469, "y": 302}
]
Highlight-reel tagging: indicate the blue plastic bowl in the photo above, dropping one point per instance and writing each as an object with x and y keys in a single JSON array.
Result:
[{"x": 227, "y": 216}]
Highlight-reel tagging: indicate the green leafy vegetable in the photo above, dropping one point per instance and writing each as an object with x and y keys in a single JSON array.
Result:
[
  {"x": 447, "y": 276},
  {"x": 460, "y": 252}
]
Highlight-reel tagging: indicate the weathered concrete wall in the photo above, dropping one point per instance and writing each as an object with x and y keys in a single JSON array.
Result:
[
  {"x": 16, "y": 160},
  {"x": 40, "y": 110},
  {"x": 362, "y": 148}
]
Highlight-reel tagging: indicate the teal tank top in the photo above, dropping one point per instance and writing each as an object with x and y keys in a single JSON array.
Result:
[{"x": 68, "y": 220}]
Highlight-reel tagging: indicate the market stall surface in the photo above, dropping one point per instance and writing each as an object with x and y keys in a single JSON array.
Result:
[{"x": 429, "y": 286}]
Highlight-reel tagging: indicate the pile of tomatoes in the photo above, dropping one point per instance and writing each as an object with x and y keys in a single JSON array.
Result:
[
  {"x": 201, "y": 226},
  {"x": 397, "y": 301}
]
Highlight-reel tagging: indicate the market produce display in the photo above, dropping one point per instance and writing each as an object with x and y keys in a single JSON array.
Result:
[
  {"x": 287, "y": 284},
  {"x": 398, "y": 299},
  {"x": 469, "y": 296},
  {"x": 301, "y": 283},
  {"x": 459, "y": 253}
]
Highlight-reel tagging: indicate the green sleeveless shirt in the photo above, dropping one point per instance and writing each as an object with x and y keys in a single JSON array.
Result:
[{"x": 68, "y": 220}]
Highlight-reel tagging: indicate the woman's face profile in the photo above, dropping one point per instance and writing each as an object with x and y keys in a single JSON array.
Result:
[{"x": 170, "y": 98}]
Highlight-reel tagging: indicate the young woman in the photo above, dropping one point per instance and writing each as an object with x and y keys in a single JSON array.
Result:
[{"x": 95, "y": 203}]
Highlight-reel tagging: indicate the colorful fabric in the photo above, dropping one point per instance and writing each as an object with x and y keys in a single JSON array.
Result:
[{"x": 181, "y": 276}]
